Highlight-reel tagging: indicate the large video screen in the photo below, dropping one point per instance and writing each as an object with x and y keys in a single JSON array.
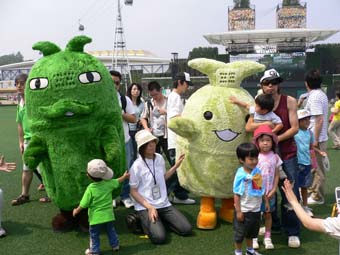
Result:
[
  {"x": 241, "y": 19},
  {"x": 291, "y": 17}
]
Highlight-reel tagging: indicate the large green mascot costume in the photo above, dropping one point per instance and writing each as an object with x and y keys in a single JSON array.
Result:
[
  {"x": 209, "y": 130},
  {"x": 75, "y": 117}
]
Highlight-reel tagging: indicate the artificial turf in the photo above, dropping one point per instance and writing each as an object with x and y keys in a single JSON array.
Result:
[{"x": 29, "y": 226}]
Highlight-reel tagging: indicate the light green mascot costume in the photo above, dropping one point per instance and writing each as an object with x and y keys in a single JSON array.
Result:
[
  {"x": 75, "y": 115},
  {"x": 209, "y": 130}
]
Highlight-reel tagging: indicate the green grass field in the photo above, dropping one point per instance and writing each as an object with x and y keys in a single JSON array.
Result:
[{"x": 29, "y": 226}]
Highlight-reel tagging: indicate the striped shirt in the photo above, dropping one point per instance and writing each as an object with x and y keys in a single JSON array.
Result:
[{"x": 317, "y": 104}]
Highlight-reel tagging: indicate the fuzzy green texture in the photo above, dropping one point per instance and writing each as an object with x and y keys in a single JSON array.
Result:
[
  {"x": 73, "y": 106},
  {"x": 209, "y": 140}
]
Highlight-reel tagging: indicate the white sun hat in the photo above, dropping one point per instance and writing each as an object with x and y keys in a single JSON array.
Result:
[{"x": 142, "y": 137}]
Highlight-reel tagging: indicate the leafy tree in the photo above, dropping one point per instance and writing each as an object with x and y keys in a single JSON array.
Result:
[
  {"x": 11, "y": 58},
  {"x": 241, "y": 3},
  {"x": 204, "y": 52},
  {"x": 290, "y": 2}
]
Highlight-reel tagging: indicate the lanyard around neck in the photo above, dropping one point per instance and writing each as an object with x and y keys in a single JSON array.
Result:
[{"x": 154, "y": 171}]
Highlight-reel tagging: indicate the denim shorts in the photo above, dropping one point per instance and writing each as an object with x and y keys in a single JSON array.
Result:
[
  {"x": 272, "y": 204},
  {"x": 305, "y": 176}
]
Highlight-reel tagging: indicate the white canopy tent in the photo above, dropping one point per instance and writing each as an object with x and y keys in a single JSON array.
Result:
[{"x": 276, "y": 39}]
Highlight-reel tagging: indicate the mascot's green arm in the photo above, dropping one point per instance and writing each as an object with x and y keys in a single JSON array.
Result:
[
  {"x": 184, "y": 127},
  {"x": 112, "y": 146},
  {"x": 35, "y": 152}
]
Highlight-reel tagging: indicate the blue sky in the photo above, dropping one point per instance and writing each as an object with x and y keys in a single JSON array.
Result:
[{"x": 161, "y": 26}]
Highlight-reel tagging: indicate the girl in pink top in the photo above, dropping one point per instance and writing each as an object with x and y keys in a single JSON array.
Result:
[{"x": 269, "y": 163}]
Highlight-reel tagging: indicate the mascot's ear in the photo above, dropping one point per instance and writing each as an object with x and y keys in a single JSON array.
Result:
[
  {"x": 46, "y": 48},
  {"x": 77, "y": 43}
]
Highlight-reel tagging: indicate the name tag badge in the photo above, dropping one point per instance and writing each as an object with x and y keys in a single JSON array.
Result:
[{"x": 156, "y": 192}]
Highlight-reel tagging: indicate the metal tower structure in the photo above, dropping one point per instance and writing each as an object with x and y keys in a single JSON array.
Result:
[{"x": 120, "y": 47}]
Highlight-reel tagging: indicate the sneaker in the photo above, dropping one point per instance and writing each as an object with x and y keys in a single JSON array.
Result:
[
  {"x": 88, "y": 252},
  {"x": 293, "y": 242},
  {"x": 312, "y": 201},
  {"x": 268, "y": 245},
  {"x": 255, "y": 243},
  {"x": 115, "y": 248},
  {"x": 127, "y": 202},
  {"x": 253, "y": 253},
  {"x": 308, "y": 210},
  {"x": 21, "y": 200},
  {"x": 262, "y": 230},
  {"x": 187, "y": 201},
  {"x": 2, "y": 232}
]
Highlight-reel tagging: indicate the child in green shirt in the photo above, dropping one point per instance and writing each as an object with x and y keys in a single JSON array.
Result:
[{"x": 98, "y": 199}]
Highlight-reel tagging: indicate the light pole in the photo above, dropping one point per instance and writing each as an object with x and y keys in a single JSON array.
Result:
[
  {"x": 120, "y": 46},
  {"x": 174, "y": 64}
]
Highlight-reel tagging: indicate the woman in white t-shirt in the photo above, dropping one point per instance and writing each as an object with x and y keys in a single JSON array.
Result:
[
  {"x": 134, "y": 92},
  {"x": 330, "y": 225},
  {"x": 148, "y": 188}
]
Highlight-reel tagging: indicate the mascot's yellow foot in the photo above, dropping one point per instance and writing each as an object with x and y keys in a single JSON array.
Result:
[
  {"x": 206, "y": 220},
  {"x": 227, "y": 210},
  {"x": 207, "y": 217}
]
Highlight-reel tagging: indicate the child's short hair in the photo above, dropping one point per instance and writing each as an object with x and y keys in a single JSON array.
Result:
[
  {"x": 265, "y": 101},
  {"x": 246, "y": 150}
]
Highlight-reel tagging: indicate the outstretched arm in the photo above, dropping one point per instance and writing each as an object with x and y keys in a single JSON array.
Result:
[
  {"x": 313, "y": 224},
  {"x": 173, "y": 169},
  {"x": 6, "y": 167},
  {"x": 238, "y": 102}
]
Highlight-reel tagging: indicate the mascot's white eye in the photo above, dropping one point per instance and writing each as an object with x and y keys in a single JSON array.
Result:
[
  {"x": 38, "y": 83},
  {"x": 89, "y": 77},
  {"x": 208, "y": 115}
]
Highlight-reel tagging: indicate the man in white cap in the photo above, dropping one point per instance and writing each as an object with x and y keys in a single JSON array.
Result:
[
  {"x": 286, "y": 108},
  {"x": 174, "y": 109}
]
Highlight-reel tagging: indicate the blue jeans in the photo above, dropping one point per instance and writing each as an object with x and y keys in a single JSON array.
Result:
[
  {"x": 128, "y": 154},
  {"x": 95, "y": 233},
  {"x": 289, "y": 220}
]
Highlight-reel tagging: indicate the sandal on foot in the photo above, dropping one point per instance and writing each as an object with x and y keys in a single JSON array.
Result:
[
  {"x": 21, "y": 200},
  {"x": 44, "y": 200}
]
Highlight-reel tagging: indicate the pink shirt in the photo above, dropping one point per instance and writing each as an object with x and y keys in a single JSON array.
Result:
[{"x": 268, "y": 163}]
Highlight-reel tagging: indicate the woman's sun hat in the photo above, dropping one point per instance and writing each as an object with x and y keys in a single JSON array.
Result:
[
  {"x": 143, "y": 137},
  {"x": 97, "y": 168}
]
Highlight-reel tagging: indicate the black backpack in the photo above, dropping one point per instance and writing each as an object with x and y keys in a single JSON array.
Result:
[
  {"x": 123, "y": 101},
  {"x": 133, "y": 223}
]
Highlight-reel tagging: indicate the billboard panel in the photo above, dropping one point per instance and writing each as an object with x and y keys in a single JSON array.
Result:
[{"x": 241, "y": 19}]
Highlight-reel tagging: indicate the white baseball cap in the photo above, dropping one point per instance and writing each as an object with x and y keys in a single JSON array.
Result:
[
  {"x": 303, "y": 114},
  {"x": 97, "y": 168},
  {"x": 270, "y": 75}
]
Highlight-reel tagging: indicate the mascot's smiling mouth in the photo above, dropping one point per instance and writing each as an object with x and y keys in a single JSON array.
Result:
[{"x": 226, "y": 135}]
